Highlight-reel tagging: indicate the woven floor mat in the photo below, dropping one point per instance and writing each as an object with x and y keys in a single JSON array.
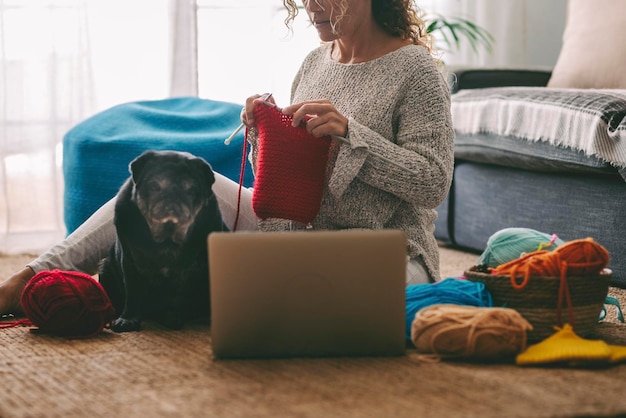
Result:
[
  {"x": 157, "y": 372},
  {"x": 162, "y": 373}
]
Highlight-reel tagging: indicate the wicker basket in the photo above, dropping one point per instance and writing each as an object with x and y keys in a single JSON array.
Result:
[{"x": 537, "y": 302}]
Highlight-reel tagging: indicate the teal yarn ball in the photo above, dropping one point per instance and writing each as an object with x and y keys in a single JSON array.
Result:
[
  {"x": 510, "y": 243},
  {"x": 448, "y": 291}
]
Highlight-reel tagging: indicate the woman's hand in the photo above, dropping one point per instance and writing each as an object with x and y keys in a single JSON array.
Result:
[
  {"x": 247, "y": 113},
  {"x": 319, "y": 117}
]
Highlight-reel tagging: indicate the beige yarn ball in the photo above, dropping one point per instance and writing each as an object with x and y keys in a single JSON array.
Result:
[{"x": 469, "y": 331}]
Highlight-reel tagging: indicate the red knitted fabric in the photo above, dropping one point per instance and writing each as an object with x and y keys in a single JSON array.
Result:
[
  {"x": 291, "y": 168},
  {"x": 67, "y": 303}
]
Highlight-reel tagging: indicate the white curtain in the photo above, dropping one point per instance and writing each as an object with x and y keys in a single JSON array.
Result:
[
  {"x": 45, "y": 87},
  {"x": 505, "y": 20},
  {"x": 184, "y": 49},
  {"x": 61, "y": 61}
]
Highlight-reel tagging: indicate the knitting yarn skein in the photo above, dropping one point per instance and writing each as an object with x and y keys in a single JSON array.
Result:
[
  {"x": 67, "y": 304},
  {"x": 584, "y": 256},
  {"x": 511, "y": 243},
  {"x": 469, "y": 332}
]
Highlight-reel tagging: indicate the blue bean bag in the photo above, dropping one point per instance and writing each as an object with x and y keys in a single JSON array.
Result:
[{"x": 97, "y": 151}]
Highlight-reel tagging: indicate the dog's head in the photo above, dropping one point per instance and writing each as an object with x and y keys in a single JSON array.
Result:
[{"x": 170, "y": 188}]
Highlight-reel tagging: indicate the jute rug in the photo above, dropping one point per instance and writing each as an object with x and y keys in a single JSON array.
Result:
[{"x": 162, "y": 373}]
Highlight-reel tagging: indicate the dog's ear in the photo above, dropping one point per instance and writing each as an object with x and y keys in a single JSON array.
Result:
[
  {"x": 136, "y": 166},
  {"x": 204, "y": 168}
]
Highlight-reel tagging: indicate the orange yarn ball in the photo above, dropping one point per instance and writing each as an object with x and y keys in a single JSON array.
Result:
[
  {"x": 583, "y": 256},
  {"x": 67, "y": 303},
  {"x": 575, "y": 258}
]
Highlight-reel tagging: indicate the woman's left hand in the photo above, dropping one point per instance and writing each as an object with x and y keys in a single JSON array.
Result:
[{"x": 319, "y": 117}]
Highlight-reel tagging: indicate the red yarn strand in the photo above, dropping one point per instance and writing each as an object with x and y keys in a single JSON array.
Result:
[
  {"x": 12, "y": 324},
  {"x": 564, "y": 294},
  {"x": 242, "y": 173}
]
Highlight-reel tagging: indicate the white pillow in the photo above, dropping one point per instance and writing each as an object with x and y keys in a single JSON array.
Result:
[{"x": 593, "y": 54}]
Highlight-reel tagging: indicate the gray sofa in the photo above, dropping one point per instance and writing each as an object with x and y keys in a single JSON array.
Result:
[{"x": 544, "y": 158}]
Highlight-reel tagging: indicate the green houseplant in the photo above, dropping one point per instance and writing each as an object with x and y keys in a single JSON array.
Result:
[{"x": 451, "y": 30}]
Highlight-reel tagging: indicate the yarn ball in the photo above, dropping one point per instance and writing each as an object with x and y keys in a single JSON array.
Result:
[
  {"x": 469, "y": 332},
  {"x": 66, "y": 303},
  {"x": 584, "y": 256},
  {"x": 575, "y": 258},
  {"x": 511, "y": 243},
  {"x": 450, "y": 290}
]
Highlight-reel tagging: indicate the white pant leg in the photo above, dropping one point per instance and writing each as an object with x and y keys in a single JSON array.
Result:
[
  {"x": 416, "y": 272},
  {"x": 227, "y": 193},
  {"x": 84, "y": 248}
]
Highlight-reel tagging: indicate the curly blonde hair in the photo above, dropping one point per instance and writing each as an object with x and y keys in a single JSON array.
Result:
[{"x": 399, "y": 18}]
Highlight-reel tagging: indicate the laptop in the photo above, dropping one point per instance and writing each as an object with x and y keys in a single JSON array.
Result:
[{"x": 307, "y": 293}]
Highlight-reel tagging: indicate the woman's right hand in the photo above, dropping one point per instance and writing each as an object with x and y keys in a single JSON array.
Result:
[{"x": 247, "y": 113}]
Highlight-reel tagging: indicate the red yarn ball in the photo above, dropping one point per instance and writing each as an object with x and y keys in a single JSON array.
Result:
[{"x": 67, "y": 303}]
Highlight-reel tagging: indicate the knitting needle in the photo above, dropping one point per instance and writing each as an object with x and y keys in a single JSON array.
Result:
[
  {"x": 227, "y": 141},
  {"x": 346, "y": 141}
]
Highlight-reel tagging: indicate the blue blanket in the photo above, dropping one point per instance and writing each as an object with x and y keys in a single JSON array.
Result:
[{"x": 97, "y": 151}]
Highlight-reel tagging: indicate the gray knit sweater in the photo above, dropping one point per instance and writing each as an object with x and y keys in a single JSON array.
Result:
[{"x": 398, "y": 106}]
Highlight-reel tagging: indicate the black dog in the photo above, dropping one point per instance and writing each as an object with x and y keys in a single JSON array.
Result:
[{"x": 158, "y": 266}]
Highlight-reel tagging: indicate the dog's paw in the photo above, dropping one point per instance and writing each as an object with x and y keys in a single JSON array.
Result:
[{"x": 126, "y": 325}]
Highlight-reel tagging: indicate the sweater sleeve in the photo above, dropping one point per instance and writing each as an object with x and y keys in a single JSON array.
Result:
[{"x": 422, "y": 145}]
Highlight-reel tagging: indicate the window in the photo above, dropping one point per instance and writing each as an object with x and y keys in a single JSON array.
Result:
[{"x": 244, "y": 48}]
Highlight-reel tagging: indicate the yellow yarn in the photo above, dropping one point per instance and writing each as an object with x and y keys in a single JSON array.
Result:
[
  {"x": 565, "y": 346},
  {"x": 469, "y": 331},
  {"x": 618, "y": 353}
]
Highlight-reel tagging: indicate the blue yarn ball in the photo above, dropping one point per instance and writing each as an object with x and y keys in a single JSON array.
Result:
[
  {"x": 511, "y": 243},
  {"x": 448, "y": 291}
]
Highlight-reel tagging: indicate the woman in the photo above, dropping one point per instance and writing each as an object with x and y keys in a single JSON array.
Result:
[{"x": 373, "y": 81}]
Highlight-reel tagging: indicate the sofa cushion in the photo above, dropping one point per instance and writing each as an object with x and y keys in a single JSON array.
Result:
[
  {"x": 510, "y": 151},
  {"x": 488, "y": 198},
  {"x": 594, "y": 51},
  {"x": 589, "y": 122}
]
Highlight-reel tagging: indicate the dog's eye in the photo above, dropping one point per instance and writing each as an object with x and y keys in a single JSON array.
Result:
[
  {"x": 188, "y": 185},
  {"x": 154, "y": 186}
]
